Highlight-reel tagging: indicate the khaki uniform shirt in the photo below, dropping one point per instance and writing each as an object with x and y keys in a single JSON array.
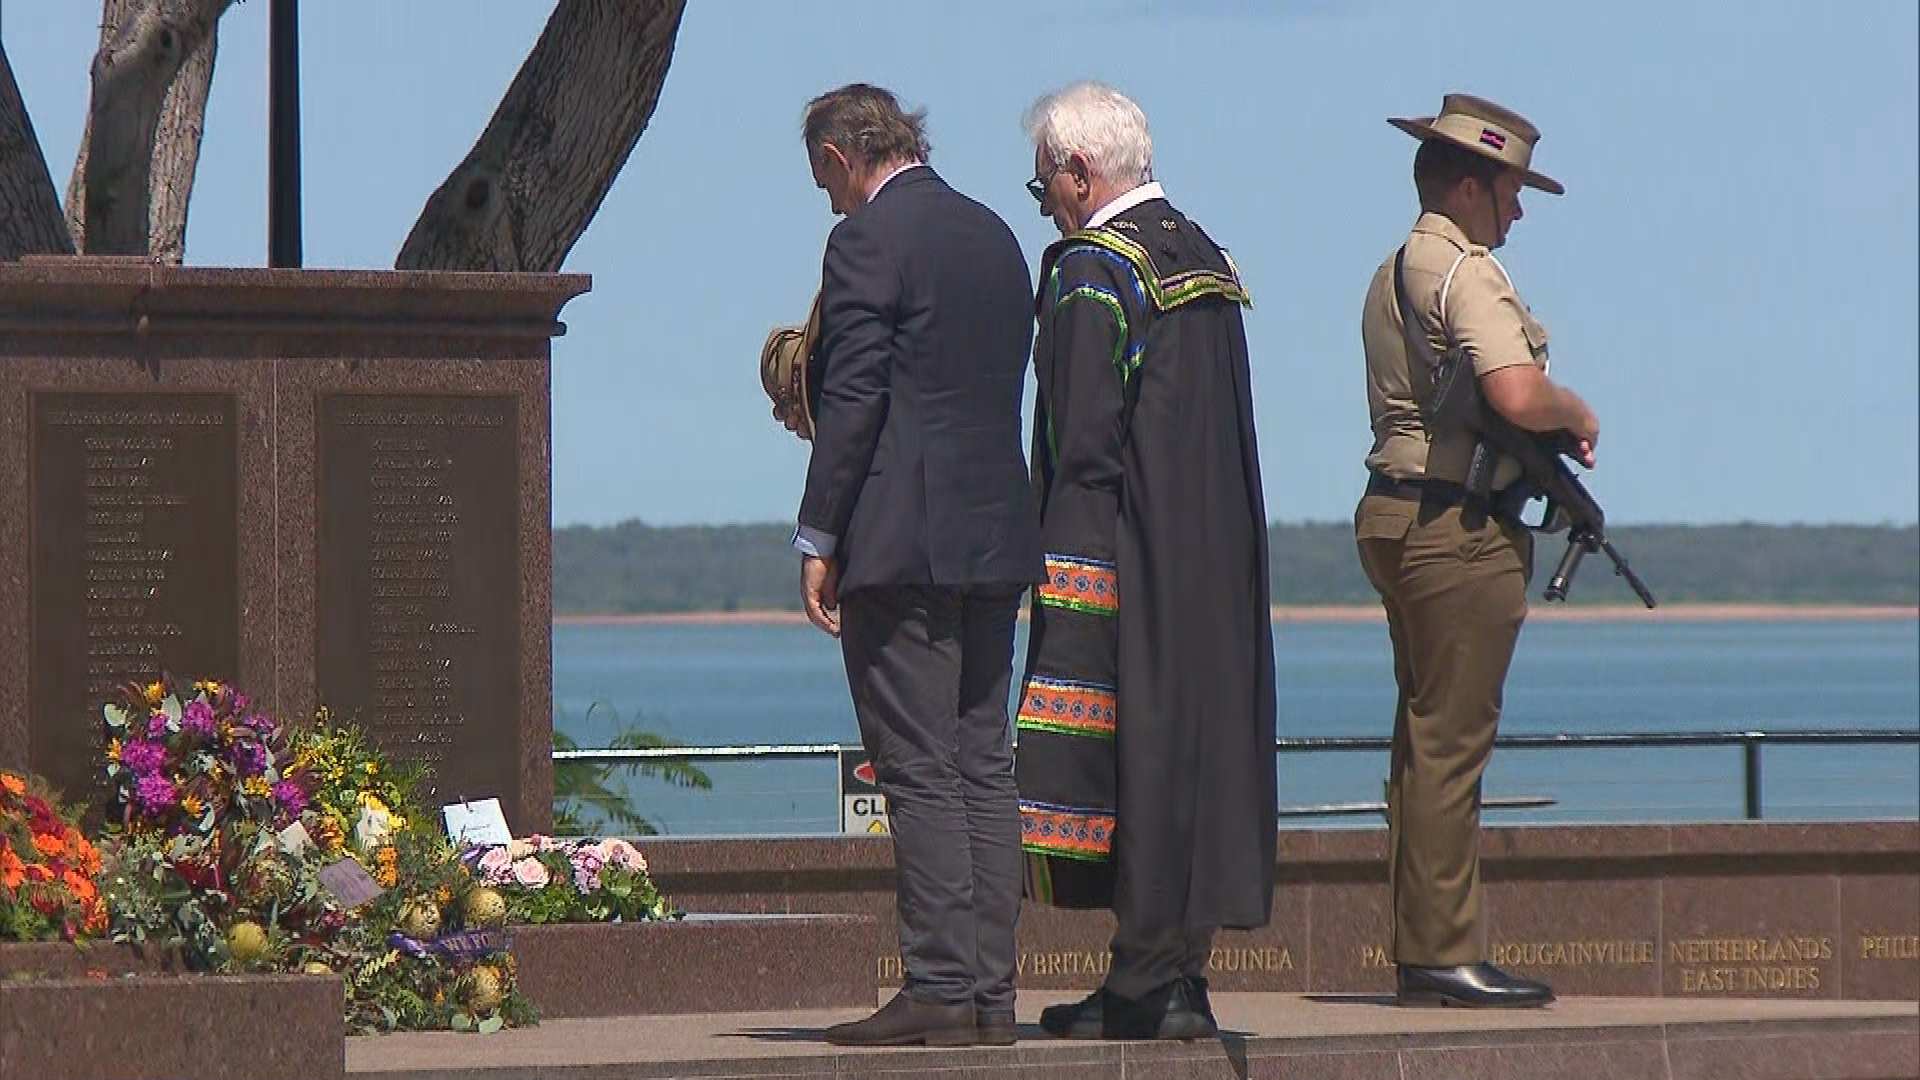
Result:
[{"x": 1482, "y": 315}]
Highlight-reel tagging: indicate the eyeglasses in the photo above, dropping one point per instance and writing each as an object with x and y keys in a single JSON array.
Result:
[{"x": 1037, "y": 187}]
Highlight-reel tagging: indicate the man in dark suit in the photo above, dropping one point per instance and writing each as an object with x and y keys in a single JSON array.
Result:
[{"x": 919, "y": 532}]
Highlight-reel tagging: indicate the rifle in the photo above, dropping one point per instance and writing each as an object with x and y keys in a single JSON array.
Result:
[
  {"x": 1451, "y": 400},
  {"x": 1542, "y": 457}
]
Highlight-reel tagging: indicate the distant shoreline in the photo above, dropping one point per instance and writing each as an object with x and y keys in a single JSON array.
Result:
[{"x": 1346, "y": 614}]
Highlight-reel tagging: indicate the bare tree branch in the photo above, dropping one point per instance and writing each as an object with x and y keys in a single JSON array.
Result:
[
  {"x": 30, "y": 222},
  {"x": 135, "y": 81},
  {"x": 539, "y": 171},
  {"x": 176, "y": 150}
]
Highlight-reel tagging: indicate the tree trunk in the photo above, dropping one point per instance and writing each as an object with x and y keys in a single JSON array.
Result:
[
  {"x": 30, "y": 221},
  {"x": 539, "y": 171},
  {"x": 135, "y": 170}
]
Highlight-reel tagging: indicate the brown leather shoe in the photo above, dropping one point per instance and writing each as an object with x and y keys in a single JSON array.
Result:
[
  {"x": 906, "y": 1022},
  {"x": 995, "y": 1027}
]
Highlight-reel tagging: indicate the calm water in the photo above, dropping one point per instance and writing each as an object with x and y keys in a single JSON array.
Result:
[{"x": 717, "y": 685}]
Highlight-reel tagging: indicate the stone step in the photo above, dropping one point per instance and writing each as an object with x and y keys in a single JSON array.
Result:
[
  {"x": 698, "y": 964},
  {"x": 1352, "y": 1037}
]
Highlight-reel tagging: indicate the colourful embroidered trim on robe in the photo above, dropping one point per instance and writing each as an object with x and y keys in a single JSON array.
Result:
[
  {"x": 1084, "y": 585},
  {"x": 1066, "y": 707},
  {"x": 1167, "y": 292},
  {"x": 1066, "y": 831}
]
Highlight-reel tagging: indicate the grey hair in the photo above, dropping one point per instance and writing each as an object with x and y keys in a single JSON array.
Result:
[{"x": 1097, "y": 122}]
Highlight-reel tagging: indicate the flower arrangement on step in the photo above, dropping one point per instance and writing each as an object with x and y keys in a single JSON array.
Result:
[
  {"x": 48, "y": 890},
  {"x": 255, "y": 847},
  {"x": 546, "y": 880}
]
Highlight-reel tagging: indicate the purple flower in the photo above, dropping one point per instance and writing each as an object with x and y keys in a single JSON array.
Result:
[
  {"x": 153, "y": 792},
  {"x": 250, "y": 758},
  {"x": 142, "y": 757},
  {"x": 290, "y": 797},
  {"x": 197, "y": 718},
  {"x": 156, "y": 724},
  {"x": 586, "y": 880},
  {"x": 239, "y": 702}
]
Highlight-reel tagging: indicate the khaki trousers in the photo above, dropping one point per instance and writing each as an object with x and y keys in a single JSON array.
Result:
[{"x": 1456, "y": 593}]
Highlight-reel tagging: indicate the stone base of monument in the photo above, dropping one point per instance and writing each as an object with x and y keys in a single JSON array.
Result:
[
  {"x": 699, "y": 964},
  {"x": 1745, "y": 910},
  {"x": 1351, "y": 1037},
  {"x": 249, "y": 1027},
  {"x": 60, "y": 960}
]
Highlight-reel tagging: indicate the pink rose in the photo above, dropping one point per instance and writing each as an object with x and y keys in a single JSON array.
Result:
[
  {"x": 618, "y": 853},
  {"x": 496, "y": 866},
  {"x": 531, "y": 873}
]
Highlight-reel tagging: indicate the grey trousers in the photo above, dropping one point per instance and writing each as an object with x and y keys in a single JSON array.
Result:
[{"x": 930, "y": 670}]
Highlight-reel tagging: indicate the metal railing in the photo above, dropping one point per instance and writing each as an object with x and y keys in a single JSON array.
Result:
[{"x": 1750, "y": 742}]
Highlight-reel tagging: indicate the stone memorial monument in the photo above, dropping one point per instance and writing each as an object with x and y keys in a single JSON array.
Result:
[{"x": 329, "y": 487}]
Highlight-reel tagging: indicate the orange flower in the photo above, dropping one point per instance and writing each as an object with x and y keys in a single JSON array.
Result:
[
  {"x": 12, "y": 784},
  {"x": 79, "y": 886},
  {"x": 48, "y": 844},
  {"x": 12, "y": 870}
]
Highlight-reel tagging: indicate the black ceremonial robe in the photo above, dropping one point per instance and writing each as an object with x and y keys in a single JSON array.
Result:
[{"x": 1146, "y": 721}]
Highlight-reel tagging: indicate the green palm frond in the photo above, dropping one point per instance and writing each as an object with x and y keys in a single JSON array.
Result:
[{"x": 587, "y": 794}]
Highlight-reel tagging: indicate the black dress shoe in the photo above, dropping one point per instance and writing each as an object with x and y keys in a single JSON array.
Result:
[
  {"x": 1476, "y": 986},
  {"x": 906, "y": 1022},
  {"x": 1197, "y": 989},
  {"x": 1167, "y": 1012},
  {"x": 1079, "y": 1020},
  {"x": 994, "y": 1027}
]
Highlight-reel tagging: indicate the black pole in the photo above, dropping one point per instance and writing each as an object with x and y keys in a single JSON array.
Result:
[
  {"x": 1753, "y": 779},
  {"x": 283, "y": 133}
]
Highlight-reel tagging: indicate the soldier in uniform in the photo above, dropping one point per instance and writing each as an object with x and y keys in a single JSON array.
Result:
[{"x": 1452, "y": 568}]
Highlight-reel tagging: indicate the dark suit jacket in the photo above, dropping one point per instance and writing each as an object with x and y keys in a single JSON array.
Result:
[{"x": 926, "y": 328}]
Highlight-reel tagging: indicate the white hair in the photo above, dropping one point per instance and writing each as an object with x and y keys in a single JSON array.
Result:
[{"x": 1100, "y": 124}]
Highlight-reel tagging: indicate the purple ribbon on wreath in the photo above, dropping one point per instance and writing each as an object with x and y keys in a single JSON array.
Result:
[{"x": 461, "y": 945}]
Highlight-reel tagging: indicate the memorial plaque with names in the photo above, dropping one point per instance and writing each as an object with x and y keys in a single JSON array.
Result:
[
  {"x": 135, "y": 507},
  {"x": 418, "y": 582}
]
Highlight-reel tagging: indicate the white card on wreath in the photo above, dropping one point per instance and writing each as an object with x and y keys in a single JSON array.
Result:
[
  {"x": 478, "y": 823},
  {"x": 294, "y": 839}
]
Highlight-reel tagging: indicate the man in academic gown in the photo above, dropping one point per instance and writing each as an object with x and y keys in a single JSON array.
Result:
[{"x": 1146, "y": 723}]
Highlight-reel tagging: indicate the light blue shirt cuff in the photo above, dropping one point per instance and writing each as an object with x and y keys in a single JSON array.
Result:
[{"x": 814, "y": 542}]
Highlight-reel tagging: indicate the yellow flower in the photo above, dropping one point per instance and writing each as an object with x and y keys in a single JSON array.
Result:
[
  {"x": 255, "y": 786},
  {"x": 388, "y": 861},
  {"x": 368, "y": 798},
  {"x": 154, "y": 692},
  {"x": 210, "y": 686},
  {"x": 191, "y": 803},
  {"x": 113, "y": 750},
  {"x": 371, "y": 768},
  {"x": 331, "y": 836}
]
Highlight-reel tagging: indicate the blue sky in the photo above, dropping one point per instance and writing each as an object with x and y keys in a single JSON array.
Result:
[{"x": 1730, "y": 280}]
